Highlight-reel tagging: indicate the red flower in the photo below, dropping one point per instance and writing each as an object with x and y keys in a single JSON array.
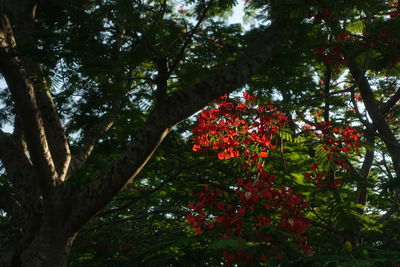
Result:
[
  {"x": 198, "y": 231},
  {"x": 191, "y": 220},
  {"x": 221, "y": 155},
  {"x": 346, "y": 149},
  {"x": 308, "y": 250},
  {"x": 196, "y": 147},
  {"x": 240, "y": 211},
  {"x": 313, "y": 166},
  {"x": 248, "y": 96}
]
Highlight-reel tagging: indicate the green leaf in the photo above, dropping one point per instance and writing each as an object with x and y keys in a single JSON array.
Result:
[{"x": 231, "y": 242}]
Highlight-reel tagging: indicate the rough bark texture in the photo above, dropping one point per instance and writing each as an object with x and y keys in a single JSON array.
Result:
[{"x": 47, "y": 211}]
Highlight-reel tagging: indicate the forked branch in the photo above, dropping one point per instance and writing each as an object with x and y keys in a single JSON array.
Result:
[{"x": 94, "y": 195}]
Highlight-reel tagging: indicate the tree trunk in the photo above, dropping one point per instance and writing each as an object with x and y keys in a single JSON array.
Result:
[{"x": 50, "y": 248}]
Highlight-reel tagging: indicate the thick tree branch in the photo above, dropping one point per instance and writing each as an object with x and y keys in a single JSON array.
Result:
[
  {"x": 382, "y": 127},
  {"x": 93, "y": 196},
  {"x": 376, "y": 116},
  {"x": 55, "y": 134},
  {"x": 228, "y": 79},
  {"x": 23, "y": 94}
]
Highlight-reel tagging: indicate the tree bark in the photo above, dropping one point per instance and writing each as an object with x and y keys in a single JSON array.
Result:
[{"x": 48, "y": 249}]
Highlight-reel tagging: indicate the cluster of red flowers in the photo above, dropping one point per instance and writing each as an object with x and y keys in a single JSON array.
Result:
[
  {"x": 249, "y": 213},
  {"x": 335, "y": 140},
  {"x": 332, "y": 55},
  {"x": 322, "y": 178},
  {"x": 338, "y": 139},
  {"x": 237, "y": 129},
  {"x": 232, "y": 126},
  {"x": 394, "y": 14},
  {"x": 251, "y": 198}
]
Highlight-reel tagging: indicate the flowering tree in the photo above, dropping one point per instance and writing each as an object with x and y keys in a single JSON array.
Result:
[
  {"x": 247, "y": 133},
  {"x": 93, "y": 87}
]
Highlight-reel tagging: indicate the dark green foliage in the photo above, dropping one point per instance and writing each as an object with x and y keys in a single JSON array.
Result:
[{"x": 94, "y": 52}]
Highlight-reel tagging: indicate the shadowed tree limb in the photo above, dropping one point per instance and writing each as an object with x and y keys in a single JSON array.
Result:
[
  {"x": 24, "y": 16},
  {"x": 381, "y": 126},
  {"x": 376, "y": 116},
  {"x": 23, "y": 94},
  {"x": 166, "y": 114}
]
